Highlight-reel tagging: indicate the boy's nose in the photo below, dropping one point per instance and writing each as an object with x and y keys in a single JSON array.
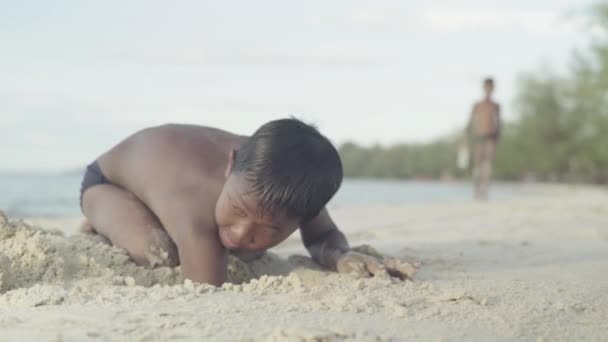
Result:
[{"x": 241, "y": 234}]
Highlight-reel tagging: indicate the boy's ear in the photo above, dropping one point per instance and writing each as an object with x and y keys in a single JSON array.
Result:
[{"x": 230, "y": 164}]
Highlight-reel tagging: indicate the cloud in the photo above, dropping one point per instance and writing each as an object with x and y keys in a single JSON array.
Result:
[
  {"x": 467, "y": 19},
  {"x": 454, "y": 20},
  {"x": 369, "y": 15},
  {"x": 321, "y": 56}
]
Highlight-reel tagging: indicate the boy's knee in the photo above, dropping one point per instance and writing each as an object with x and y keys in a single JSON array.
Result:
[
  {"x": 162, "y": 251},
  {"x": 87, "y": 229},
  {"x": 158, "y": 250}
]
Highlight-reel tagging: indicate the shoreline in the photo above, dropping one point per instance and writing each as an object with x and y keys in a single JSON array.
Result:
[{"x": 69, "y": 224}]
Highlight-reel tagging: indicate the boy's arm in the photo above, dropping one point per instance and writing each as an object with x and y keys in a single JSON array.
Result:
[
  {"x": 498, "y": 121},
  {"x": 469, "y": 129},
  {"x": 202, "y": 257},
  {"x": 324, "y": 241},
  {"x": 328, "y": 246}
]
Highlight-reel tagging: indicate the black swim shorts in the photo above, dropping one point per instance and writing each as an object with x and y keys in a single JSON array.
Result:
[{"x": 92, "y": 176}]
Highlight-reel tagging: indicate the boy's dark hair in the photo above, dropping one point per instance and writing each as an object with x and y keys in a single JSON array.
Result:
[
  {"x": 488, "y": 80},
  {"x": 293, "y": 168}
]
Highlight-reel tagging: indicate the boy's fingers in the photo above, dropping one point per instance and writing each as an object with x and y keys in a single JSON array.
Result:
[
  {"x": 376, "y": 267},
  {"x": 357, "y": 269},
  {"x": 365, "y": 266},
  {"x": 401, "y": 267},
  {"x": 352, "y": 265},
  {"x": 365, "y": 274}
]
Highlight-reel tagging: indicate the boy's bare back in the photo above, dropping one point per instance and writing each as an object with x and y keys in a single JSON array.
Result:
[{"x": 163, "y": 164}]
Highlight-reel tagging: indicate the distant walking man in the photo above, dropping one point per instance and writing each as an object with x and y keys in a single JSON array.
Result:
[{"x": 484, "y": 131}]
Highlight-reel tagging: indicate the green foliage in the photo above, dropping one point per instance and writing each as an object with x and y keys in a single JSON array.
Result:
[
  {"x": 561, "y": 132},
  {"x": 400, "y": 161}
]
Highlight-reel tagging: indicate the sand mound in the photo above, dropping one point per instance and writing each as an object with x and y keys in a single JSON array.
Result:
[{"x": 30, "y": 256}]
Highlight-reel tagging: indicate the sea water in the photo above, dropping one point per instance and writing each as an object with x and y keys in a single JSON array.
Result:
[{"x": 57, "y": 194}]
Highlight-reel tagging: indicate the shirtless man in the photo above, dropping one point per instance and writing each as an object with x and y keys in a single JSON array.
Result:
[
  {"x": 484, "y": 132},
  {"x": 189, "y": 195}
]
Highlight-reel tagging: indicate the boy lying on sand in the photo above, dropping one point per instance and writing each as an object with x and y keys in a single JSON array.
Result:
[{"x": 189, "y": 195}]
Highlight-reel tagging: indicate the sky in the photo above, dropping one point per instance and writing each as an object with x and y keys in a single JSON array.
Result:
[{"x": 76, "y": 77}]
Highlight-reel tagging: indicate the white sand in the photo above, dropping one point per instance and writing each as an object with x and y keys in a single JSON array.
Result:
[{"x": 528, "y": 269}]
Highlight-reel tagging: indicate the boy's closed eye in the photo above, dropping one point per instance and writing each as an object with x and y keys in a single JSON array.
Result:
[
  {"x": 238, "y": 211},
  {"x": 274, "y": 229}
]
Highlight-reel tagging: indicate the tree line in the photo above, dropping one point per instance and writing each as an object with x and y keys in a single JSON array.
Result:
[{"x": 560, "y": 132}]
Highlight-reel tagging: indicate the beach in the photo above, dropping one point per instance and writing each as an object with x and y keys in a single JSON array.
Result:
[{"x": 531, "y": 268}]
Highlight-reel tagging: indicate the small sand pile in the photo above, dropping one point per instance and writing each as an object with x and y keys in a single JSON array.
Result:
[
  {"x": 285, "y": 335},
  {"x": 30, "y": 255}
]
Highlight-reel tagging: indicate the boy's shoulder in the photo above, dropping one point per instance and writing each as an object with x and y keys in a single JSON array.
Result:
[
  {"x": 170, "y": 128},
  {"x": 175, "y": 133}
]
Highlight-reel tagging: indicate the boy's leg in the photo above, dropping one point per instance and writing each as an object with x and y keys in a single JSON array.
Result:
[
  {"x": 484, "y": 179},
  {"x": 122, "y": 218},
  {"x": 489, "y": 148},
  {"x": 490, "y": 154},
  {"x": 87, "y": 229},
  {"x": 477, "y": 164}
]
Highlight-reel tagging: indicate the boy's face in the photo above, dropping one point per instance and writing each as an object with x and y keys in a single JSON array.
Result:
[
  {"x": 488, "y": 88},
  {"x": 240, "y": 225}
]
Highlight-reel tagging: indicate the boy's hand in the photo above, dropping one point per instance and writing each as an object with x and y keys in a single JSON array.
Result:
[{"x": 366, "y": 266}]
